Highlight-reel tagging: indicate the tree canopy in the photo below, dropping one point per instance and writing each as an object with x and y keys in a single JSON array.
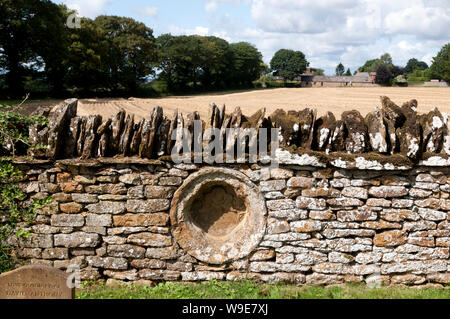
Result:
[
  {"x": 30, "y": 40},
  {"x": 247, "y": 63},
  {"x": 340, "y": 69},
  {"x": 440, "y": 69},
  {"x": 414, "y": 64},
  {"x": 384, "y": 67},
  {"x": 207, "y": 62},
  {"x": 288, "y": 63}
]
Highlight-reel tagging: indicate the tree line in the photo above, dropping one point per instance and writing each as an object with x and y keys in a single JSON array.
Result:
[
  {"x": 110, "y": 55},
  {"x": 387, "y": 73},
  {"x": 119, "y": 56}
]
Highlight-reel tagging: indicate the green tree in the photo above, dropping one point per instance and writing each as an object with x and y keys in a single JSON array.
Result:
[
  {"x": 247, "y": 64},
  {"x": 384, "y": 75},
  {"x": 369, "y": 66},
  {"x": 386, "y": 59},
  {"x": 86, "y": 65},
  {"x": 440, "y": 69},
  {"x": 131, "y": 51},
  {"x": 215, "y": 61},
  {"x": 373, "y": 65},
  {"x": 288, "y": 63},
  {"x": 414, "y": 64},
  {"x": 320, "y": 72},
  {"x": 33, "y": 37},
  {"x": 340, "y": 69}
]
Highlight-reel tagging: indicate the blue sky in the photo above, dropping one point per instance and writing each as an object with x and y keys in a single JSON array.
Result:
[{"x": 327, "y": 31}]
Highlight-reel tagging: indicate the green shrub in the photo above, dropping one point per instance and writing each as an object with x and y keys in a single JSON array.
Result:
[
  {"x": 14, "y": 128},
  {"x": 13, "y": 209}
]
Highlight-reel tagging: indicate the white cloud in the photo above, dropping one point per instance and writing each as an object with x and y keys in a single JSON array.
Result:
[
  {"x": 199, "y": 30},
  {"x": 333, "y": 31},
  {"x": 421, "y": 21},
  {"x": 148, "y": 12},
  {"x": 87, "y": 8},
  {"x": 211, "y": 6},
  {"x": 351, "y": 31}
]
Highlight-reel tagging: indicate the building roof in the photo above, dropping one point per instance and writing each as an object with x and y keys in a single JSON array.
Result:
[{"x": 359, "y": 78}]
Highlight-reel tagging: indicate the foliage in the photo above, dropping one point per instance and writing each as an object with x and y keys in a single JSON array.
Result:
[
  {"x": 13, "y": 209},
  {"x": 288, "y": 64},
  {"x": 340, "y": 69},
  {"x": 33, "y": 37},
  {"x": 414, "y": 64},
  {"x": 13, "y": 212},
  {"x": 370, "y": 66},
  {"x": 14, "y": 130},
  {"x": 440, "y": 69},
  {"x": 400, "y": 80},
  {"x": 131, "y": 51},
  {"x": 384, "y": 75},
  {"x": 384, "y": 64},
  {"x": 418, "y": 76},
  {"x": 112, "y": 54},
  {"x": 373, "y": 65},
  {"x": 320, "y": 72},
  {"x": 252, "y": 290},
  {"x": 247, "y": 64},
  {"x": 348, "y": 73},
  {"x": 85, "y": 58},
  {"x": 198, "y": 62}
]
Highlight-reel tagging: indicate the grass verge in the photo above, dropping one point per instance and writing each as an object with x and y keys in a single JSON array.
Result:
[{"x": 253, "y": 290}]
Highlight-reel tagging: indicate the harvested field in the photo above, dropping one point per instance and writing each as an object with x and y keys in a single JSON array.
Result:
[{"x": 336, "y": 100}]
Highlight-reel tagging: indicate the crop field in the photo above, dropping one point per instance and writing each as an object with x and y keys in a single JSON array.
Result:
[{"x": 336, "y": 100}]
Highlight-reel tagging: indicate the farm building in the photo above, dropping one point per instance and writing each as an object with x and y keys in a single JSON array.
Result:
[
  {"x": 310, "y": 79},
  {"x": 359, "y": 79}
]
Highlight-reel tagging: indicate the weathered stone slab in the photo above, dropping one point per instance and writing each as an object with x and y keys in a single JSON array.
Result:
[
  {"x": 35, "y": 282},
  {"x": 58, "y": 125}
]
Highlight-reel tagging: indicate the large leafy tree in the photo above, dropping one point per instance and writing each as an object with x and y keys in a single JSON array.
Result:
[
  {"x": 440, "y": 69},
  {"x": 384, "y": 67},
  {"x": 373, "y": 65},
  {"x": 414, "y": 64},
  {"x": 215, "y": 61},
  {"x": 195, "y": 61},
  {"x": 384, "y": 75},
  {"x": 180, "y": 60},
  {"x": 32, "y": 38},
  {"x": 131, "y": 51},
  {"x": 247, "y": 64},
  {"x": 288, "y": 63},
  {"x": 86, "y": 67}
]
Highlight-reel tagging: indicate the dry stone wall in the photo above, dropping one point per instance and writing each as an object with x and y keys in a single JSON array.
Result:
[
  {"x": 388, "y": 130},
  {"x": 319, "y": 223}
]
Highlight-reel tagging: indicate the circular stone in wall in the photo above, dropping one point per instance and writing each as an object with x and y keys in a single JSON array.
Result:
[{"x": 218, "y": 215}]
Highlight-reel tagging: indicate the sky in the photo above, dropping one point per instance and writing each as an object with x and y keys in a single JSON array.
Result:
[{"x": 326, "y": 31}]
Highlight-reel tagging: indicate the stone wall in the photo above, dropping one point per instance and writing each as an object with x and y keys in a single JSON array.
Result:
[
  {"x": 387, "y": 131},
  {"x": 318, "y": 224}
]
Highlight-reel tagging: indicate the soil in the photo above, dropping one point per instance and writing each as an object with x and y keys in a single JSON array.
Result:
[
  {"x": 336, "y": 100},
  {"x": 217, "y": 210}
]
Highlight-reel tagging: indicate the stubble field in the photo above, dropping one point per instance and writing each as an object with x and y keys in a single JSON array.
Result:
[{"x": 336, "y": 100}]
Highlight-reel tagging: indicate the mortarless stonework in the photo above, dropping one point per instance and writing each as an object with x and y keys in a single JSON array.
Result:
[{"x": 328, "y": 221}]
